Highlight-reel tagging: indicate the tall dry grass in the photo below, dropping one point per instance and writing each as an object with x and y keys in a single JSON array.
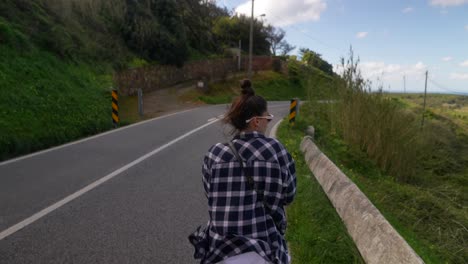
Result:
[{"x": 375, "y": 124}]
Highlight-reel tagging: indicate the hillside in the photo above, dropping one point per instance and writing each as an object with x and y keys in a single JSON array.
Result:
[{"x": 58, "y": 59}]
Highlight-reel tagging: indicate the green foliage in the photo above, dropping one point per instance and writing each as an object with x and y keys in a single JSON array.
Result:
[
  {"x": 155, "y": 30},
  {"x": 12, "y": 37},
  {"x": 230, "y": 30},
  {"x": 312, "y": 58},
  {"x": 116, "y": 31},
  {"x": 275, "y": 86},
  {"x": 46, "y": 102},
  {"x": 294, "y": 71},
  {"x": 271, "y": 85}
]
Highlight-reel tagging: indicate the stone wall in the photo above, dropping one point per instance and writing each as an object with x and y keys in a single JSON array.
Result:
[{"x": 150, "y": 78}]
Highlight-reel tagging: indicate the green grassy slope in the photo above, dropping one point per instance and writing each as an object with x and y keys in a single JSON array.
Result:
[{"x": 44, "y": 100}]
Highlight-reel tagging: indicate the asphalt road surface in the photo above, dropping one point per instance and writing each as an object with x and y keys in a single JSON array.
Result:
[{"x": 131, "y": 195}]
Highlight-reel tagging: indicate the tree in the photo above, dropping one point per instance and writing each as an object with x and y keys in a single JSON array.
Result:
[
  {"x": 228, "y": 31},
  {"x": 275, "y": 37},
  {"x": 312, "y": 58},
  {"x": 285, "y": 48},
  {"x": 154, "y": 30},
  {"x": 199, "y": 18}
]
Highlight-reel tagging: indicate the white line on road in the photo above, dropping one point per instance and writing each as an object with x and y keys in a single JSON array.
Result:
[
  {"x": 88, "y": 138},
  {"x": 274, "y": 129},
  {"x": 93, "y": 185}
]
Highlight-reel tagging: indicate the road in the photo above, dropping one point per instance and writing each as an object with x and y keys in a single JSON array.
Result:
[{"x": 131, "y": 195}]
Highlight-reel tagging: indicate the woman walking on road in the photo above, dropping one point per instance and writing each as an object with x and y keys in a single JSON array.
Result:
[{"x": 247, "y": 181}]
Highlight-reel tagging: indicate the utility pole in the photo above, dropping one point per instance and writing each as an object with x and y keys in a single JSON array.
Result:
[
  {"x": 424, "y": 107},
  {"x": 239, "y": 54},
  {"x": 251, "y": 42},
  {"x": 404, "y": 83}
]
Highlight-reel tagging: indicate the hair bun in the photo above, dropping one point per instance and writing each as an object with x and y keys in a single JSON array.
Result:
[{"x": 247, "y": 89}]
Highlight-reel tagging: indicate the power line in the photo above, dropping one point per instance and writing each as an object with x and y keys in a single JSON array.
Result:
[
  {"x": 308, "y": 35},
  {"x": 445, "y": 89}
]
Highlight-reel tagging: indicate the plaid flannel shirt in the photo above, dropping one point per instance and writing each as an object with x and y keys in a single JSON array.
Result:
[{"x": 242, "y": 220}]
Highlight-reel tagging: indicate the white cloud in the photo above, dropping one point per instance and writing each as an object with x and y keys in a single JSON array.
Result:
[
  {"x": 392, "y": 72},
  {"x": 447, "y": 58},
  {"x": 284, "y": 13},
  {"x": 407, "y": 10},
  {"x": 362, "y": 34},
  {"x": 445, "y": 3},
  {"x": 464, "y": 64},
  {"x": 459, "y": 76},
  {"x": 466, "y": 27},
  {"x": 381, "y": 73}
]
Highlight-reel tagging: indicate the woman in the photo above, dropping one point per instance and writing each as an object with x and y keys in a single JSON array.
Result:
[{"x": 246, "y": 199}]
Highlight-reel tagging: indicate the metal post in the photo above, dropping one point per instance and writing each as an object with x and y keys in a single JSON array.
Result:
[
  {"x": 239, "y": 55},
  {"x": 424, "y": 107},
  {"x": 115, "y": 108},
  {"x": 140, "y": 102},
  {"x": 293, "y": 112},
  {"x": 404, "y": 83},
  {"x": 251, "y": 42}
]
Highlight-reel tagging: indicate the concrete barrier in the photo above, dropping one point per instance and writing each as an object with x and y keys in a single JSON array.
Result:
[{"x": 376, "y": 240}]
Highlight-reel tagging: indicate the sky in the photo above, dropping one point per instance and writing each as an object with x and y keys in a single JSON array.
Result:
[{"x": 396, "y": 41}]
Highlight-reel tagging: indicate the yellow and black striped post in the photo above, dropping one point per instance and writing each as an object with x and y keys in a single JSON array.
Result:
[
  {"x": 293, "y": 112},
  {"x": 115, "y": 108}
]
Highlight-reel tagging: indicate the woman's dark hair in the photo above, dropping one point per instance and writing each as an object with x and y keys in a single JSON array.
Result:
[{"x": 245, "y": 107}]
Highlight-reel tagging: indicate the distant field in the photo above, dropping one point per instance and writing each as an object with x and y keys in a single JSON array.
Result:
[{"x": 453, "y": 107}]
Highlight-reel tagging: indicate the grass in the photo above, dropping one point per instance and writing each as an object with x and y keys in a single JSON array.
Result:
[
  {"x": 45, "y": 101},
  {"x": 128, "y": 110},
  {"x": 452, "y": 107},
  {"x": 430, "y": 213},
  {"x": 271, "y": 85},
  {"x": 315, "y": 232}
]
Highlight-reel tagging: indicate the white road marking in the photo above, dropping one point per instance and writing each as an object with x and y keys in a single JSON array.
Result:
[
  {"x": 86, "y": 139},
  {"x": 212, "y": 119},
  {"x": 100, "y": 135},
  {"x": 275, "y": 128},
  {"x": 44, "y": 212}
]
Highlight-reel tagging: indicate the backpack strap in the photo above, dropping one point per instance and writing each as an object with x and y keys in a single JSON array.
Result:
[{"x": 241, "y": 161}]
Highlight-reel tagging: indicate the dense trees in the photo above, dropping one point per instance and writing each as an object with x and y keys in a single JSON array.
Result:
[
  {"x": 161, "y": 31},
  {"x": 229, "y": 30},
  {"x": 155, "y": 30}
]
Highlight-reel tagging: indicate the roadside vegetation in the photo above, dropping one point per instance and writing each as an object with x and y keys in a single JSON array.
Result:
[
  {"x": 45, "y": 101},
  {"x": 315, "y": 231},
  {"x": 58, "y": 58},
  {"x": 273, "y": 86},
  {"x": 416, "y": 176}
]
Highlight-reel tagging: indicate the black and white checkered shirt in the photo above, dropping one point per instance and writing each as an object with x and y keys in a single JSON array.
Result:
[{"x": 242, "y": 220}]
